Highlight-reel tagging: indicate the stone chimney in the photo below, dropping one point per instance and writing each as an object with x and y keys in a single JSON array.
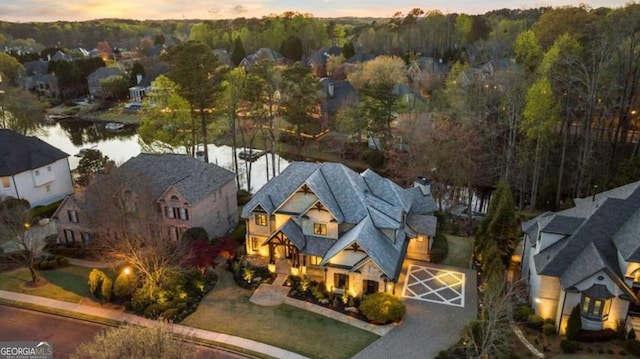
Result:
[{"x": 424, "y": 184}]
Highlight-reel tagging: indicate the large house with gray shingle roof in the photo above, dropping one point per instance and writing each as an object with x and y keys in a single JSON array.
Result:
[
  {"x": 589, "y": 256},
  {"x": 350, "y": 230},
  {"x": 183, "y": 191}
]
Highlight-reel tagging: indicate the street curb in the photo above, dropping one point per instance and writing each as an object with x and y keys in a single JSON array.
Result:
[{"x": 112, "y": 323}]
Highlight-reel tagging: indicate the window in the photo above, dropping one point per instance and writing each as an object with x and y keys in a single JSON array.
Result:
[
  {"x": 170, "y": 212},
  {"x": 370, "y": 286},
  {"x": 37, "y": 172},
  {"x": 315, "y": 260},
  {"x": 218, "y": 217},
  {"x": 6, "y": 183},
  {"x": 183, "y": 213},
  {"x": 595, "y": 308},
  {"x": 255, "y": 244},
  {"x": 48, "y": 168},
  {"x": 340, "y": 280},
  {"x": 320, "y": 229},
  {"x": 73, "y": 216},
  {"x": 47, "y": 188},
  {"x": 68, "y": 236},
  {"x": 261, "y": 219},
  {"x": 86, "y": 237}
]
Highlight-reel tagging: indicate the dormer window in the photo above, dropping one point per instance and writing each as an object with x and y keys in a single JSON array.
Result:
[
  {"x": 261, "y": 219},
  {"x": 320, "y": 229}
]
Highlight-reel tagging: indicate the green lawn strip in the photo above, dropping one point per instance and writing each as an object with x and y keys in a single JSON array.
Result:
[
  {"x": 227, "y": 310},
  {"x": 68, "y": 284},
  {"x": 460, "y": 250}
]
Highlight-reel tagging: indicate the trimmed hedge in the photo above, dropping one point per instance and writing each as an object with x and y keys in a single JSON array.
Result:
[
  {"x": 382, "y": 308},
  {"x": 569, "y": 346},
  {"x": 106, "y": 289}
]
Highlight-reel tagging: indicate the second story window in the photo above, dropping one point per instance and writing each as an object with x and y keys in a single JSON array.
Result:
[
  {"x": 261, "y": 219},
  {"x": 320, "y": 229},
  {"x": 73, "y": 216},
  {"x": 183, "y": 213}
]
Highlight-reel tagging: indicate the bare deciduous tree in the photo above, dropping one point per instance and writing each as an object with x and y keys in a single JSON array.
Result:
[
  {"x": 129, "y": 228},
  {"x": 14, "y": 224}
]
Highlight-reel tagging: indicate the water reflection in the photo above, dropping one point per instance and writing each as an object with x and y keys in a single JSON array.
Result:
[{"x": 73, "y": 135}]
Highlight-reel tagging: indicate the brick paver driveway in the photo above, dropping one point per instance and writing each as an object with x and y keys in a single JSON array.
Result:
[{"x": 436, "y": 285}]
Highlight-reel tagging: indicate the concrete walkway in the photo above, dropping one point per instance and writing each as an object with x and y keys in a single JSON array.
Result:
[{"x": 120, "y": 316}]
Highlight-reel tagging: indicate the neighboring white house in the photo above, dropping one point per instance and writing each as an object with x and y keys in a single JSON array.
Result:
[
  {"x": 588, "y": 255},
  {"x": 32, "y": 169},
  {"x": 350, "y": 230}
]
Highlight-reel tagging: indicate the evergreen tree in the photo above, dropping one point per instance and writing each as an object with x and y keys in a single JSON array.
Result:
[
  {"x": 291, "y": 48},
  {"x": 238, "y": 53},
  {"x": 500, "y": 224},
  {"x": 348, "y": 50},
  {"x": 574, "y": 325},
  {"x": 136, "y": 70}
]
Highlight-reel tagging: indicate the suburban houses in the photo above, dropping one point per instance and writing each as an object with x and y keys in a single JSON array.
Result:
[
  {"x": 182, "y": 192},
  {"x": 351, "y": 230},
  {"x": 32, "y": 169},
  {"x": 587, "y": 255}
]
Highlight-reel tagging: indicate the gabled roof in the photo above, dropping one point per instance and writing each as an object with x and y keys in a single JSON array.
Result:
[
  {"x": 192, "y": 178},
  {"x": 311, "y": 245},
  {"x": 151, "y": 76},
  {"x": 20, "y": 153},
  {"x": 377, "y": 246},
  {"x": 423, "y": 224},
  {"x": 594, "y": 244}
]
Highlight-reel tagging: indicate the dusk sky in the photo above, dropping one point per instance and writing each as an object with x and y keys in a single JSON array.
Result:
[{"x": 78, "y": 10}]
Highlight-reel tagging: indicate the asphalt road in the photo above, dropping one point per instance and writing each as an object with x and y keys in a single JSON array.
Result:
[{"x": 65, "y": 333}]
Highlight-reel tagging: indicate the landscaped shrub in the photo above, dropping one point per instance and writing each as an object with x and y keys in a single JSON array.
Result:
[
  {"x": 63, "y": 262},
  {"x": 621, "y": 329},
  {"x": 535, "y": 322},
  {"x": 141, "y": 299},
  {"x": 170, "y": 314},
  {"x": 590, "y": 336},
  {"x": 122, "y": 286},
  {"x": 523, "y": 313},
  {"x": 106, "y": 289},
  {"x": 319, "y": 291},
  {"x": 95, "y": 280},
  {"x": 152, "y": 311},
  {"x": 632, "y": 346},
  {"x": 182, "y": 306},
  {"x": 168, "y": 305},
  {"x": 194, "y": 233},
  {"x": 569, "y": 346},
  {"x": 53, "y": 264},
  {"x": 549, "y": 329},
  {"x": 574, "y": 325},
  {"x": 437, "y": 255},
  {"x": 382, "y": 308}
]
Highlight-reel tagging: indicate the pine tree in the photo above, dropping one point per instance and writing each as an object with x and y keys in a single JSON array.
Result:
[
  {"x": 574, "y": 325},
  {"x": 348, "y": 50},
  {"x": 238, "y": 53}
]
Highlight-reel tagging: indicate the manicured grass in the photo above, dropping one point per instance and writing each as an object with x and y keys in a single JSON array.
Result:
[
  {"x": 460, "y": 251},
  {"x": 227, "y": 309},
  {"x": 68, "y": 284}
]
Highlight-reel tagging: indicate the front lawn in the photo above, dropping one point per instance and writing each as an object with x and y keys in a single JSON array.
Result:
[
  {"x": 68, "y": 284},
  {"x": 460, "y": 251},
  {"x": 226, "y": 309}
]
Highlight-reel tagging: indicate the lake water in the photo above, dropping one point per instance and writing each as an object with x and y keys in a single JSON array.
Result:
[{"x": 71, "y": 136}]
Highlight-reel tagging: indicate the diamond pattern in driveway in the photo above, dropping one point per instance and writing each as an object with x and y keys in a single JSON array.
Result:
[{"x": 434, "y": 285}]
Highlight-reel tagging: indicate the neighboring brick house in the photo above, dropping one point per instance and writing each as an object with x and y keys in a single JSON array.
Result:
[
  {"x": 588, "y": 256},
  {"x": 351, "y": 230},
  {"x": 184, "y": 193},
  {"x": 32, "y": 169}
]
